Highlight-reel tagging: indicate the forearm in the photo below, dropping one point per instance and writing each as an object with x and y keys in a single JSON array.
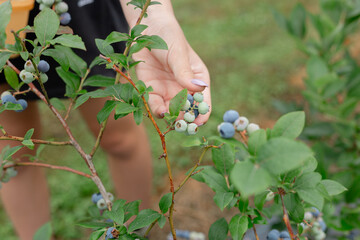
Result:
[{"x": 163, "y": 11}]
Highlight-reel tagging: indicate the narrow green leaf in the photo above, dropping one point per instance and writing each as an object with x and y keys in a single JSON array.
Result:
[
  {"x": 223, "y": 157},
  {"x": 295, "y": 207},
  {"x": 297, "y": 21},
  {"x": 59, "y": 56},
  {"x": 99, "y": 81},
  {"x": 307, "y": 180},
  {"x": 95, "y": 225},
  {"x": 5, "y": 13},
  {"x": 106, "y": 111},
  {"x": 145, "y": 218},
  {"x": 117, "y": 215},
  {"x": 138, "y": 116},
  {"x": 162, "y": 221},
  {"x": 238, "y": 226},
  {"x": 131, "y": 209},
  {"x": 4, "y": 56},
  {"x": 124, "y": 108},
  {"x": 97, "y": 234},
  {"x": 333, "y": 187},
  {"x": 76, "y": 63},
  {"x": 256, "y": 140},
  {"x": 57, "y": 103},
  {"x": 165, "y": 202},
  {"x": 214, "y": 180},
  {"x": 44, "y": 232},
  {"x": 290, "y": 125},
  {"x": 11, "y": 77},
  {"x": 312, "y": 196},
  {"x": 10, "y": 152},
  {"x": 114, "y": 37},
  {"x": 46, "y": 24},
  {"x": 178, "y": 102},
  {"x": 137, "y": 30},
  {"x": 69, "y": 78},
  {"x": 69, "y": 40},
  {"x": 222, "y": 199},
  {"x": 219, "y": 230},
  {"x": 105, "y": 49}
]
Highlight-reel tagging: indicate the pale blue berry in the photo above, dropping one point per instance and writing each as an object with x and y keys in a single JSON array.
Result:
[
  {"x": 101, "y": 204},
  {"x": 48, "y": 2},
  {"x": 192, "y": 128},
  {"x": 190, "y": 98},
  {"x": 315, "y": 212},
  {"x": 26, "y": 77},
  {"x": 110, "y": 196},
  {"x": 96, "y": 197},
  {"x": 230, "y": 116},
  {"x": 186, "y": 106},
  {"x": 5, "y": 93},
  {"x": 109, "y": 233},
  {"x": 28, "y": 66},
  {"x": 44, "y": 77},
  {"x": 322, "y": 225},
  {"x": 8, "y": 98},
  {"x": 226, "y": 130},
  {"x": 43, "y": 66},
  {"x": 65, "y": 18},
  {"x": 180, "y": 126},
  {"x": 252, "y": 127},
  {"x": 189, "y": 117},
  {"x": 284, "y": 234},
  {"x": 23, "y": 104},
  {"x": 241, "y": 123},
  {"x": 203, "y": 108},
  {"x": 198, "y": 97},
  {"x": 61, "y": 7},
  {"x": 273, "y": 235}
]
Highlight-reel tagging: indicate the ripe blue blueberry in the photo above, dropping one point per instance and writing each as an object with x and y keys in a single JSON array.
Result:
[
  {"x": 186, "y": 106},
  {"x": 284, "y": 234},
  {"x": 252, "y": 127},
  {"x": 196, "y": 112},
  {"x": 192, "y": 129},
  {"x": 43, "y": 66},
  {"x": 96, "y": 197},
  {"x": 189, "y": 117},
  {"x": 23, "y": 104},
  {"x": 273, "y": 235},
  {"x": 190, "y": 98},
  {"x": 109, "y": 233},
  {"x": 61, "y": 7},
  {"x": 315, "y": 212},
  {"x": 203, "y": 108},
  {"x": 226, "y": 130},
  {"x": 198, "y": 97},
  {"x": 26, "y": 77},
  {"x": 180, "y": 126},
  {"x": 241, "y": 123},
  {"x": 101, "y": 204},
  {"x": 8, "y": 98},
  {"x": 28, "y": 66},
  {"x": 230, "y": 116},
  {"x": 65, "y": 18}
]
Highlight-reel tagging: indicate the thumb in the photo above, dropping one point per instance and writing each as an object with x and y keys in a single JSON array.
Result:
[{"x": 179, "y": 63}]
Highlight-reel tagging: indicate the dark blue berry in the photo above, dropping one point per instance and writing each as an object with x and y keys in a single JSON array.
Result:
[
  {"x": 226, "y": 130},
  {"x": 23, "y": 104},
  {"x": 284, "y": 234},
  {"x": 273, "y": 235},
  {"x": 65, "y": 18},
  {"x": 183, "y": 234},
  {"x": 8, "y": 98},
  {"x": 230, "y": 116},
  {"x": 43, "y": 66},
  {"x": 96, "y": 197},
  {"x": 190, "y": 98}
]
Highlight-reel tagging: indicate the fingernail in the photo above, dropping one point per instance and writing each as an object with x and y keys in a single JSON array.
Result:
[{"x": 199, "y": 83}]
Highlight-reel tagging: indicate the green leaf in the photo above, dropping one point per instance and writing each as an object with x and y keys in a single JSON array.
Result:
[
  {"x": 69, "y": 40},
  {"x": 222, "y": 199},
  {"x": 97, "y": 234},
  {"x": 104, "y": 48},
  {"x": 192, "y": 142},
  {"x": 99, "y": 81},
  {"x": 10, "y": 152},
  {"x": 223, "y": 158},
  {"x": 46, "y": 24},
  {"x": 256, "y": 140},
  {"x": 114, "y": 37},
  {"x": 138, "y": 116},
  {"x": 162, "y": 221},
  {"x": 137, "y": 30},
  {"x": 250, "y": 179},
  {"x": 297, "y": 20},
  {"x": 69, "y": 78},
  {"x": 307, "y": 180},
  {"x": 117, "y": 216},
  {"x": 214, "y": 180},
  {"x": 59, "y": 56},
  {"x": 131, "y": 209},
  {"x": 165, "y": 202},
  {"x": 145, "y": 218},
  {"x": 333, "y": 187},
  {"x": 44, "y": 232},
  {"x": 178, "y": 102},
  {"x": 290, "y": 125},
  {"x": 4, "y": 56},
  {"x": 280, "y": 155},
  {"x": 124, "y": 108},
  {"x": 238, "y": 226},
  {"x": 12, "y": 106},
  {"x": 95, "y": 225},
  {"x": 58, "y": 104},
  {"x": 281, "y": 20},
  {"x": 106, "y": 111},
  {"x": 11, "y": 77},
  {"x": 81, "y": 100},
  {"x": 153, "y": 42},
  {"x": 76, "y": 63},
  {"x": 295, "y": 207},
  {"x": 312, "y": 196},
  {"x": 27, "y": 139},
  {"x": 316, "y": 68},
  {"x": 5, "y": 13},
  {"x": 218, "y": 230}
]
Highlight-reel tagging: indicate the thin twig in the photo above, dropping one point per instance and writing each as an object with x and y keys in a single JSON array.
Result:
[
  {"x": 254, "y": 228},
  {"x": 36, "y": 141},
  {"x": 22, "y": 92},
  {"x": 44, "y": 165},
  {"x": 98, "y": 139},
  {"x": 286, "y": 216}
]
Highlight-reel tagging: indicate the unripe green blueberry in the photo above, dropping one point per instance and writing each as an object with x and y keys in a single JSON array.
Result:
[
  {"x": 308, "y": 216},
  {"x": 28, "y": 66},
  {"x": 11, "y": 172},
  {"x": 61, "y": 7},
  {"x": 39, "y": 1},
  {"x": 181, "y": 126},
  {"x": 241, "y": 123},
  {"x": 26, "y": 77},
  {"x": 186, "y": 106},
  {"x": 252, "y": 127},
  {"x": 198, "y": 97},
  {"x": 192, "y": 128},
  {"x": 110, "y": 196},
  {"x": 48, "y": 3},
  {"x": 270, "y": 196},
  {"x": 42, "y": 6},
  {"x": 101, "y": 204},
  {"x": 189, "y": 117},
  {"x": 203, "y": 108},
  {"x": 44, "y": 77}
]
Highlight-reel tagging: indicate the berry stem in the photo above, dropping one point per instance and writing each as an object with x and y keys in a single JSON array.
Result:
[
  {"x": 286, "y": 216},
  {"x": 36, "y": 164},
  {"x": 36, "y": 141}
]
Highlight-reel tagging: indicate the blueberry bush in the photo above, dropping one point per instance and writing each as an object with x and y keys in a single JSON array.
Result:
[{"x": 252, "y": 167}]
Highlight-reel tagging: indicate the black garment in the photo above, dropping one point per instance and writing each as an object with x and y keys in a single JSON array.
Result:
[{"x": 90, "y": 19}]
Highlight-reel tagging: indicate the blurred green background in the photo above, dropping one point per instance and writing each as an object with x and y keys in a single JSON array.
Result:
[{"x": 250, "y": 60}]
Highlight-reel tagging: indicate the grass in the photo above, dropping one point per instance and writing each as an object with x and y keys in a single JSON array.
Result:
[{"x": 249, "y": 58}]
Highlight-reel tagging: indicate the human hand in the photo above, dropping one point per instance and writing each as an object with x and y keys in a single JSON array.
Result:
[{"x": 168, "y": 72}]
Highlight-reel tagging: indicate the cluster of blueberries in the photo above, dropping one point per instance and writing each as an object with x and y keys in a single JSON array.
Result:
[
  {"x": 234, "y": 122},
  {"x": 315, "y": 226},
  {"x": 98, "y": 199},
  {"x": 60, "y": 7},
  {"x": 7, "y": 175},
  {"x": 194, "y": 106},
  {"x": 8, "y": 97},
  {"x": 27, "y": 75},
  {"x": 183, "y": 234},
  {"x": 275, "y": 235}
]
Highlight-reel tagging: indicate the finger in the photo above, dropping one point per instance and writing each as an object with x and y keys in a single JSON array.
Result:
[
  {"x": 157, "y": 105},
  {"x": 179, "y": 63}
]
